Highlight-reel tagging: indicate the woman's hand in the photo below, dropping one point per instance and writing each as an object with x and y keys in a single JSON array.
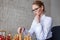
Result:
[
  {"x": 37, "y": 18},
  {"x": 21, "y": 29}
]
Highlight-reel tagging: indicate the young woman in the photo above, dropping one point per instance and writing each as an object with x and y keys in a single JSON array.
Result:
[{"x": 41, "y": 24}]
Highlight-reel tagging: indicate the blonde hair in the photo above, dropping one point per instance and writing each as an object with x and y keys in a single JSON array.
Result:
[{"x": 39, "y": 3}]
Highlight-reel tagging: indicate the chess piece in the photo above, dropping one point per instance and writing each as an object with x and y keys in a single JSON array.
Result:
[
  {"x": 8, "y": 37},
  {"x": 27, "y": 37},
  {"x": 20, "y": 36}
]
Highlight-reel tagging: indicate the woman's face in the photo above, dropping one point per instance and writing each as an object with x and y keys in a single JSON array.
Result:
[{"x": 37, "y": 10}]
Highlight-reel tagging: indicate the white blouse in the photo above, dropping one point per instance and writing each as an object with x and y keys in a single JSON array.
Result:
[{"x": 42, "y": 30}]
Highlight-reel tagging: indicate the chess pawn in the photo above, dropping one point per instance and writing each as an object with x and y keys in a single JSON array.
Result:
[
  {"x": 20, "y": 36},
  {"x": 28, "y": 36},
  {"x": 25, "y": 37},
  {"x": 16, "y": 37},
  {"x": 8, "y": 37}
]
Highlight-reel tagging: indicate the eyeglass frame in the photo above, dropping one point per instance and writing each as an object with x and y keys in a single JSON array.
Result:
[{"x": 35, "y": 9}]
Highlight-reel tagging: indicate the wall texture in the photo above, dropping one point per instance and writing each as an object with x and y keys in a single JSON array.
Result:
[
  {"x": 15, "y": 13},
  {"x": 55, "y": 12}
]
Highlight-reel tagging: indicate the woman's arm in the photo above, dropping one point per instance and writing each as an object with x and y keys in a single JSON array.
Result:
[{"x": 47, "y": 24}]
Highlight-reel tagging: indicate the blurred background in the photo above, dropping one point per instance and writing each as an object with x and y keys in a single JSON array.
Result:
[{"x": 16, "y": 13}]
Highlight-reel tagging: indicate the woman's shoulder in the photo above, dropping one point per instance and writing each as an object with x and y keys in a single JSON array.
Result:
[{"x": 48, "y": 18}]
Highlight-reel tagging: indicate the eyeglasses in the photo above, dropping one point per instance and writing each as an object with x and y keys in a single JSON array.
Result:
[{"x": 35, "y": 9}]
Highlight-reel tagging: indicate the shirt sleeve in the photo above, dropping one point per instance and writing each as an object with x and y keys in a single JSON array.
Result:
[
  {"x": 31, "y": 30},
  {"x": 47, "y": 24}
]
